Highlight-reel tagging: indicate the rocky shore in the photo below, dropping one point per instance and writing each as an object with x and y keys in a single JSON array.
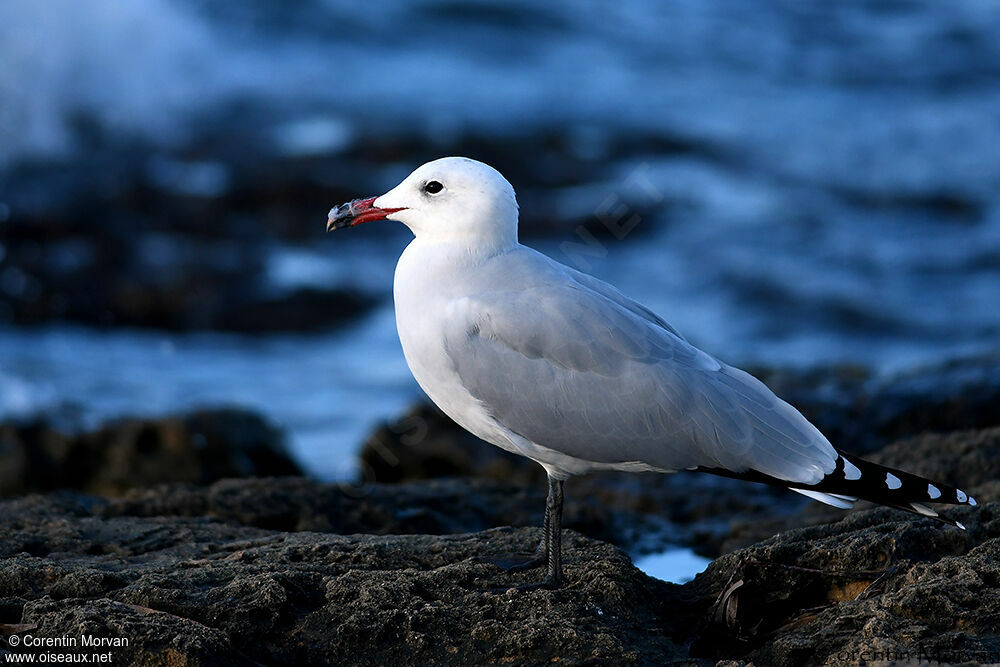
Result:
[
  {"x": 287, "y": 571},
  {"x": 230, "y": 564},
  {"x": 789, "y": 183},
  {"x": 38, "y": 455}
]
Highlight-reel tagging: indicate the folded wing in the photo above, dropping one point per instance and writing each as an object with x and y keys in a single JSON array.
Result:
[{"x": 595, "y": 376}]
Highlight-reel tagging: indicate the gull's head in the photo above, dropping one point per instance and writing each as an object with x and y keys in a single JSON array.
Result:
[{"x": 453, "y": 198}]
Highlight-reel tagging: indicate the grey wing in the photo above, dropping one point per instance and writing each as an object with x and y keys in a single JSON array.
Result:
[
  {"x": 613, "y": 294},
  {"x": 575, "y": 371}
]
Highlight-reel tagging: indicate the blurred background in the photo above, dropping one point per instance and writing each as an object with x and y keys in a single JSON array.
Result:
[{"x": 793, "y": 185}]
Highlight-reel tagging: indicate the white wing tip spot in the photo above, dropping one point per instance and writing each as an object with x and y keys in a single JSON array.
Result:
[
  {"x": 960, "y": 525},
  {"x": 923, "y": 509},
  {"x": 960, "y": 494},
  {"x": 851, "y": 471},
  {"x": 972, "y": 501},
  {"x": 933, "y": 492},
  {"x": 892, "y": 481}
]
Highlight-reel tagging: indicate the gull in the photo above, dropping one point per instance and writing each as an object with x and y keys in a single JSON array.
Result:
[{"x": 555, "y": 365}]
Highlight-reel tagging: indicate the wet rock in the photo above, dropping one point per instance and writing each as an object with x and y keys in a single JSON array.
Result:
[
  {"x": 154, "y": 637},
  {"x": 160, "y": 281},
  {"x": 968, "y": 459},
  {"x": 297, "y": 503},
  {"x": 188, "y": 574},
  {"x": 425, "y": 443},
  {"x": 861, "y": 413},
  {"x": 200, "y": 447},
  {"x": 249, "y": 595},
  {"x": 443, "y": 506},
  {"x": 873, "y": 586}
]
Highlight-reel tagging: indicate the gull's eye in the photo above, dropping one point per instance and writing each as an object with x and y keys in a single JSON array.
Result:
[{"x": 433, "y": 187}]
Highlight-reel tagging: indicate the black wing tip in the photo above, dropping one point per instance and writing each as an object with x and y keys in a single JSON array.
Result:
[
  {"x": 889, "y": 486},
  {"x": 861, "y": 479}
]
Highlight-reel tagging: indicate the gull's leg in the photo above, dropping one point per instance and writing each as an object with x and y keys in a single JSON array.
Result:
[
  {"x": 553, "y": 538},
  {"x": 553, "y": 533},
  {"x": 550, "y": 550},
  {"x": 516, "y": 562}
]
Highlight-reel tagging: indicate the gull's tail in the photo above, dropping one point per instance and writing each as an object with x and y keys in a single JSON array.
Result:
[{"x": 855, "y": 478}]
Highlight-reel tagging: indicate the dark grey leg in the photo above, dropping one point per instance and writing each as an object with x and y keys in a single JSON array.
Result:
[
  {"x": 543, "y": 545},
  {"x": 553, "y": 533},
  {"x": 549, "y": 551},
  {"x": 553, "y": 538}
]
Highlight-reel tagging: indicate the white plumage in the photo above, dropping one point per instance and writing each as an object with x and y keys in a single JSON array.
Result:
[{"x": 553, "y": 364}]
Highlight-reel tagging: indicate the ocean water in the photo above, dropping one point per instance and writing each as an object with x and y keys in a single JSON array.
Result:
[
  {"x": 676, "y": 565},
  {"x": 829, "y": 192},
  {"x": 86, "y": 377},
  {"x": 867, "y": 94}
]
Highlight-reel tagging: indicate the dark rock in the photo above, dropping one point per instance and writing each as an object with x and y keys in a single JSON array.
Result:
[
  {"x": 155, "y": 281},
  {"x": 200, "y": 447},
  {"x": 860, "y": 413},
  {"x": 221, "y": 589},
  {"x": 968, "y": 459},
  {"x": 425, "y": 443},
  {"x": 154, "y": 637},
  {"x": 432, "y": 507},
  {"x": 207, "y": 591},
  {"x": 874, "y": 586},
  {"x": 297, "y": 503}
]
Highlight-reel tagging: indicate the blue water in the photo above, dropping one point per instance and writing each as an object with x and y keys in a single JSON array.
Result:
[
  {"x": 676, "y": 565},
  {"x": 839, "y": 202},
  {"x": 327, "y": 392}
]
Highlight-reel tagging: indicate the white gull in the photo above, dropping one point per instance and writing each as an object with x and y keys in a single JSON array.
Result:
[{"x": 555, "y": 365}]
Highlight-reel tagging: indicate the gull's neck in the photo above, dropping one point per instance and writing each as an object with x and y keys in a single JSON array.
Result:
[{"x": 467, "y": 248}]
